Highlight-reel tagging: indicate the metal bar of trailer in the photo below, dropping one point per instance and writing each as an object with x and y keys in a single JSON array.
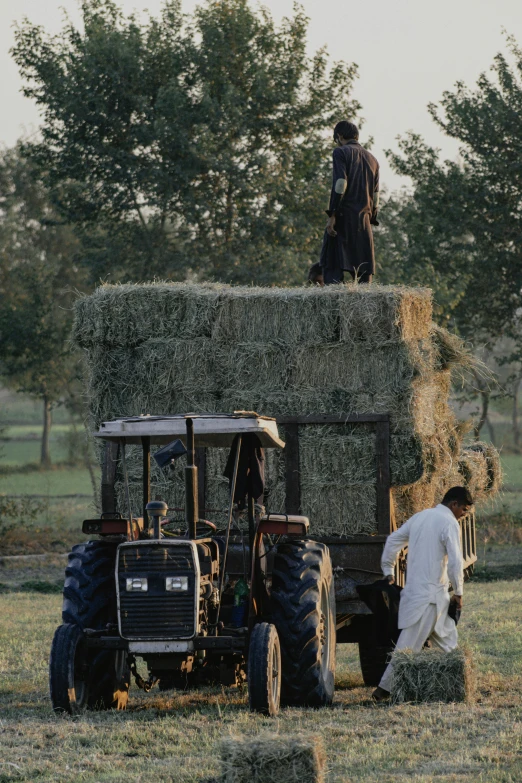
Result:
[
  {"x": 326, "y": 418},
  {"x": 145, "y": 446},
  {"x": 126, "y": 482},
  {"x": 230, "y": 515},
  {"x": 201, "y": 462},
  {"x": 191, "y": 487},
  {"x": 293, "y": 482},
  {"x": 382, "y": 449},
  {"x": 383, "y": 483}
]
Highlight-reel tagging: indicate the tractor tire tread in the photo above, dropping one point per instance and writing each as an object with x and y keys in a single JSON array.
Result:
[{"x": 300, "y": 568}]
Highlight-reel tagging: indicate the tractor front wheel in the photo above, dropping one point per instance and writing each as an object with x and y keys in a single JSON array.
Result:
[
  {"x": 80, "y": 678},
  {"x": 89, "y": 601},
  {"x": 264, "y": 670},
  {"x": 68, "y": 669}
]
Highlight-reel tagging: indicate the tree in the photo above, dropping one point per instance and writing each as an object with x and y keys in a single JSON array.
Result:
[
  {"x": 460, "y": 227},
  {"x": 187, "y": 143},
  {"x": 37, "y": 274}
]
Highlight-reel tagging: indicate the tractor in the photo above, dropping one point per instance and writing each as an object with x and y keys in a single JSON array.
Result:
[{"x": 199, "y": 606}]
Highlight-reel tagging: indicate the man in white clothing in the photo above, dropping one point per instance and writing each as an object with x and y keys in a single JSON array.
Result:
[{"x": 434, "y": 560}]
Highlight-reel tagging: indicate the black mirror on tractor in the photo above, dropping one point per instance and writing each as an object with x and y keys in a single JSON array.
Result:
[{"x": 172, "y": 451}]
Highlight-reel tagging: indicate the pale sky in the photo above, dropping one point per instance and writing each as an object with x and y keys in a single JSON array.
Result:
[{"x": 408, "y": 53}]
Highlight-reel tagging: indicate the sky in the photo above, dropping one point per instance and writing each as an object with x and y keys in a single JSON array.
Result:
[{"x": 408, "y": 53}]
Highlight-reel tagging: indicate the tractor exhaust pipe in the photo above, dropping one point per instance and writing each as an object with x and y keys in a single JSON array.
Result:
[{"x": 191, "y": 483}]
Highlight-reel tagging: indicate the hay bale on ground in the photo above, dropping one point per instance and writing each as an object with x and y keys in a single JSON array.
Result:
[
  {"x": 432, "y": 675},
  {"x": 272, "y": 759}
]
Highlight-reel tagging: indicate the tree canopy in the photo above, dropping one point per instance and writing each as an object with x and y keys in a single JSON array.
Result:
[
  {"x": 187, "y": 142},
  {"x": 37, "y": 278},
  {"x": 460, "y": 227}
]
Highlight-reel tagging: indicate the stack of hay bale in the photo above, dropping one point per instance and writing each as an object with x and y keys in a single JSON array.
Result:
[{"x": 179, "y": 348}]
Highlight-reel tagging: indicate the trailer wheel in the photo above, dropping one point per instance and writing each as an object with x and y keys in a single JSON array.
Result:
[
  {"x": 373, "y": 657},
  {"x": 374, "y": 661},
  {"x": 264, "y": 670},
  {"x": 89, "y": 601},
  {"x": 303, "y": 611}
]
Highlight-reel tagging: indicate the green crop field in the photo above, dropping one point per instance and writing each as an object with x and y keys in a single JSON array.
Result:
[{"x": 174, "y": 736}]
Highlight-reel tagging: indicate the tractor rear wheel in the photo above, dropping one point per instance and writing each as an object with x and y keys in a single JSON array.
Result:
[
  {"x": 89, "y": 592},
  {"x": 264, "y": 670},
  {"x": 89, "y": 601},
  {"x": 303, "y": 611}
]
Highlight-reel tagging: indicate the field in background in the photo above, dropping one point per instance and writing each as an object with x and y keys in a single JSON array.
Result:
[{"x": 41, "y": 510}]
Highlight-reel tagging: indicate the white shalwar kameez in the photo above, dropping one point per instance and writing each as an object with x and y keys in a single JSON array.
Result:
[{"x": 434, "y": 560}]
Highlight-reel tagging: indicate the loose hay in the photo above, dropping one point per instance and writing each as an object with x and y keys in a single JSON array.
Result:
[
  {"x": 432, "y": 675},
  {"x": 272, "y": 759}
]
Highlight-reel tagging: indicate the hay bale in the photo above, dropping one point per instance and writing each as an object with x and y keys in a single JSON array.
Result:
[
  {"x": 473, "y": 468},
  {"x": 493, "y": 481},
  {"x": 432, "y": 675},
  {"x": 272, "y": 759},
  {"x": 451, "y": 352},
  {"x": 382, "y": 314},
  {"x": 129, "y": 314}
]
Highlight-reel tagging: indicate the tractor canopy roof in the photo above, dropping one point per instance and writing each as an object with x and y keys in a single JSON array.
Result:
[{"x": 213, "y": 429}]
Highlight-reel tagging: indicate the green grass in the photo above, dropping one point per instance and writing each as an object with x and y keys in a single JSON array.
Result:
[
  {"x": 22, "y": 409},
  {"x": 34, "y": 431},
  {"x": 63, "y": 481},
  {"x": 174, "y": 736},
  {"x": 20, "y": 452}
]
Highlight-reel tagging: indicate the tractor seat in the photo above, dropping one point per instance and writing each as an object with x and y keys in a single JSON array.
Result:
[{"x": 293, "y": 523}]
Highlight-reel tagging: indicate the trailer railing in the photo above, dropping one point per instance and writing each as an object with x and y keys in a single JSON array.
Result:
[{"x": 379, "y": 422}]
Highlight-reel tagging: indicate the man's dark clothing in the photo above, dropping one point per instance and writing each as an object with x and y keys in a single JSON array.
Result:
[
  {"x": 352, "y": 249},
  {"x": 250, "y": 469}
]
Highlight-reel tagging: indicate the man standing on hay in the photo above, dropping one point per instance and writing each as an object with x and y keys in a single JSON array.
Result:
[
  {"x": 348, "y": 239},
  {"x": 434, "y": 560}
]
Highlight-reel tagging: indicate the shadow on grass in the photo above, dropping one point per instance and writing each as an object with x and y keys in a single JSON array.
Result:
[
  {"x": 34, "y": 586},
  {"x": 496, "y": 573}
]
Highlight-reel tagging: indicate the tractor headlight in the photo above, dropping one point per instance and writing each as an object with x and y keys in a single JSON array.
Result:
[
  {"x": 137, "y": 585},
  {"x": 176, "y": 583}
]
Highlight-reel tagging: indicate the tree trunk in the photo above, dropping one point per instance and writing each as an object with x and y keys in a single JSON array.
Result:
[
  {"x": 229, "y": 213},
  {"x": 514, "y": 415},
  {"x": 484, "y": 396},
  {"x": 45, "y": 457},
  {"x": 491, "y": 430}
]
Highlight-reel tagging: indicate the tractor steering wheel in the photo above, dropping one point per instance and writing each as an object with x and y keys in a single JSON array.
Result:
[{"x": 209, "y": 527}]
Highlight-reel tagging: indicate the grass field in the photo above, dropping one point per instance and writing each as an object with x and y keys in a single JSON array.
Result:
[{"x": 173, "y": 736}]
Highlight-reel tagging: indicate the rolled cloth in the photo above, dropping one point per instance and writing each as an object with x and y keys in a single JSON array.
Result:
[{"x": 251, "y": 469}]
